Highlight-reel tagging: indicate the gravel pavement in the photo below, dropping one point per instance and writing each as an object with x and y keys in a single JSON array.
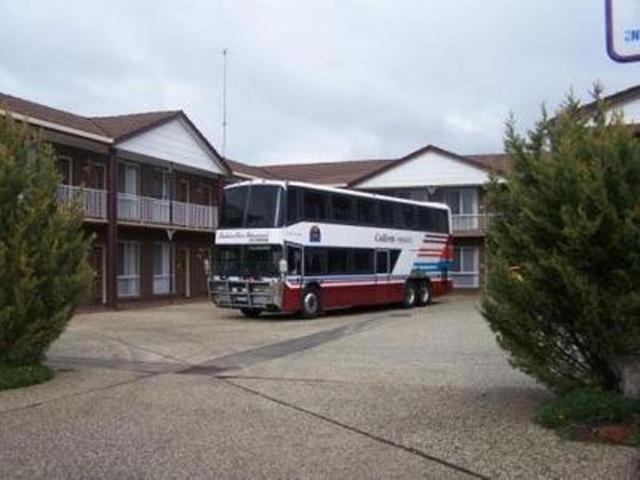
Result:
[{"x": 192, "y": 391}]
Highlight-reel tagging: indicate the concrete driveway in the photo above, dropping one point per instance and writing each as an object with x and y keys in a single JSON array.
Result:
[{"x": 191, "y": 391}]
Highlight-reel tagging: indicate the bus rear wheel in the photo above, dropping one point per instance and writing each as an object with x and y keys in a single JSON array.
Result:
[
  {"x": 251, "y": 312},
  {"x": 310, "y": 303},
  {"x": 424, "y": 294},
  {"x": 410, "y": 295}
]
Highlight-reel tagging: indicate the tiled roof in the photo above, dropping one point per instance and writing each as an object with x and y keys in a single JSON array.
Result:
[
  {"x": 124, "y": 125},
  {"x": 242, "y": 169},
  {"x": 354, "y": 171},
  {"x": 48, "y": 114},
  {"x": 113, "y": 127},
  {"x": 498, "y": 162},
  {"x": 327, "y": 173},
  {"x": 116, "y": 128}
]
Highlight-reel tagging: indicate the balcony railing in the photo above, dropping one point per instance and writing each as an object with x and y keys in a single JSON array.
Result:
[
  {"x": 156, "y": 211},
  {"x": 468, "y": 223},
  {"x": 93, "y": 201},
  {"x": 195, "y": 216},
  {"x": 465, "y": 279}
]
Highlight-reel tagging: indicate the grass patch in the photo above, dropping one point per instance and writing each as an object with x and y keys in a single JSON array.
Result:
[
  {"x": 588, "y": 406},
  {"x": 16, "y": 376}
]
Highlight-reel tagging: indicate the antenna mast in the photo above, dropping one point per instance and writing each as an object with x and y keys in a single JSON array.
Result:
[{"x": 225, "y": 51}]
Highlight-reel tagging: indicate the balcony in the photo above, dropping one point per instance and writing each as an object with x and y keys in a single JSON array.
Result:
[
  {"x": 160, "y": 212},
  {"x": 470, "y": 224},
  {"x": 463, "y": 280},
  {"x": 93, "y": 201}
]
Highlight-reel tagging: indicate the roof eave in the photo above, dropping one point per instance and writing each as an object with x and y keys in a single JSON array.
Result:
[{"x": 57, "y": 127}]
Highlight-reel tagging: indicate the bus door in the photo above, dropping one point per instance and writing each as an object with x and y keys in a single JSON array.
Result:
[
  {"x": 382, "y": 265},
  {"x": 295, "y": 261}
]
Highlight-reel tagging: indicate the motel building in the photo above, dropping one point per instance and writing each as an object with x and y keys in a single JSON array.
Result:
[
  {"x": 428, "y": 174},
  {"x": 149, "y": 184}
]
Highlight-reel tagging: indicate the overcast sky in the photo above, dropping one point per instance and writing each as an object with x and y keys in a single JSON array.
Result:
[{"x": 313, "y": 80}]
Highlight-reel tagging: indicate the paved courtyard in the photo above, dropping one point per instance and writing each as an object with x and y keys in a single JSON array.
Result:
[{"x": 191, "y": 391}]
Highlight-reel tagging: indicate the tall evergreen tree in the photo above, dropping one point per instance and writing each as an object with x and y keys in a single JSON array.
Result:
[
  {"x": 43, "y": 267},
  {"x": 563, "y": 289}
]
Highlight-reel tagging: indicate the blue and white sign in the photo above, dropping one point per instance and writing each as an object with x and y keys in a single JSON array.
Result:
[{"x": 623, "y": 30}]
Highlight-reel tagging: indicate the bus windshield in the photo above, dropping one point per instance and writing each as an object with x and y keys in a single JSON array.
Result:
[
  {"x": 251, "y": 206},
  {"x": 247, "y": 260}
]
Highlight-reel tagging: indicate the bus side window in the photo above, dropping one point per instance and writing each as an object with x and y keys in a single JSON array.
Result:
[
  {"x": 382, "y": 261},
  {"x": 395, "y": 254},
  {"x": 398, "y": 216},
  {"x": 364, "y": 211},
  {"x": 341, "y": 208},
  {"x": 362, "y": 260},
  {"x": 315, "y": 261},
  {"x": 423, "y": 218},
  {"x": 408, "y": 217},
  {"x": 293, "y": 205},
  {"x": 315, "y": 205},
  {"x": 338, "y": 261},
  {"x": 294, "y": 260},
  {"x": 386, "y": 214}
]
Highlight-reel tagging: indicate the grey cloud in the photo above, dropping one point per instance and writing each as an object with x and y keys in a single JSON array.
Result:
[{"x": 313, "y": 80}]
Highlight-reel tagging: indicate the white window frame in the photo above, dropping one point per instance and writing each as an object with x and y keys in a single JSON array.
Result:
[
  {"x": 163, "y": 281},
  {"x": 102, "y": 167},
  {"x": 132, "y": 278},
  {"x": 137, "y": 183},
  {"x": 466, "y": 278},
  {"x": 70, "y": 160},
  {"x": 464, "y": 220}
]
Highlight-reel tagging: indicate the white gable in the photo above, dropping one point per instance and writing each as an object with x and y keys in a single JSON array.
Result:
[
  {"x": 631, "y": 110},
  {"x": 430, "y": 168},
  {"x": 175, "y": 142}
]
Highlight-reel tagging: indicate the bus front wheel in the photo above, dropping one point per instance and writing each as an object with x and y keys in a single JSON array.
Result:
[
  {"x": 424, "y": 294},
  {"x": 310, "y": 302},
  {"x": 410, "y": 295}
]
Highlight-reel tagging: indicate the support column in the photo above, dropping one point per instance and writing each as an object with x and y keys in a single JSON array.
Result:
[{"x": 112, "y": 230}]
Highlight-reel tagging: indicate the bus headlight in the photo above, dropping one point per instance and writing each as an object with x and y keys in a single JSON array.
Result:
[{"x": 276, "y": 293}]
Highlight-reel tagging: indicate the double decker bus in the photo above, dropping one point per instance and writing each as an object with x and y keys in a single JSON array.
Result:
[{"x": 302, "y": 248}]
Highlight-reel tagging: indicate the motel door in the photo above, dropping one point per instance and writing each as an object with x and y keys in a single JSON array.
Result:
[
  {"x": 183, "y": 274},
  {"x": 97, "y": 260}
]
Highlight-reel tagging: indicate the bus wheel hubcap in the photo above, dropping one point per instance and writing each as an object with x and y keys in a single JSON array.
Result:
[
  {"x": 410, "y": 295},
  {"x": 310, "y": 302}
]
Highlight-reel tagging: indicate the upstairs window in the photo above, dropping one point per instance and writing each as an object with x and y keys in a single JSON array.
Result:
[
  {"x": 386, "y": 214},
  {"x": 341, "y": 208},
  {"x": 315, "y": 205},
  {"x": 294, "y": 198},
  {"x": 364, "y": 211}
]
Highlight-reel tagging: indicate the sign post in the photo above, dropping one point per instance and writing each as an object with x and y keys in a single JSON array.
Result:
[{"x": 623, "y": 30}]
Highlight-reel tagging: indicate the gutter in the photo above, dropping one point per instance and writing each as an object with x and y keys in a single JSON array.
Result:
[{"x": 58, "y": 127}]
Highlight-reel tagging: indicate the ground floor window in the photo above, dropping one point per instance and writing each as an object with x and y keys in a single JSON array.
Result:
[
  {"x": 128, "y": 269},
  {"x": 162, "y": 271},
  {"x": 465, "y": 272}
]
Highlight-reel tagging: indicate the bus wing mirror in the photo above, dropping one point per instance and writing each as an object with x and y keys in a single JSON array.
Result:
[{"x": 282, "y": 266}]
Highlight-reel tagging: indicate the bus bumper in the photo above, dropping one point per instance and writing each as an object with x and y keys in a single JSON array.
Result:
[{"x": 239, "y": 294}]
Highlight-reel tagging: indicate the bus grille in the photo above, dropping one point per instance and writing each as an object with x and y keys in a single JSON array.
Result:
[{"x": 240, "y": 294}]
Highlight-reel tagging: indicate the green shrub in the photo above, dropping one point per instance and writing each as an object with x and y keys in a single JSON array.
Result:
[
  {"x": 16, "y": 376},
  {"x": 563, "y": 287},
  {"x": 588, "y": 406},
  {"x": 43, "y": 267}
]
